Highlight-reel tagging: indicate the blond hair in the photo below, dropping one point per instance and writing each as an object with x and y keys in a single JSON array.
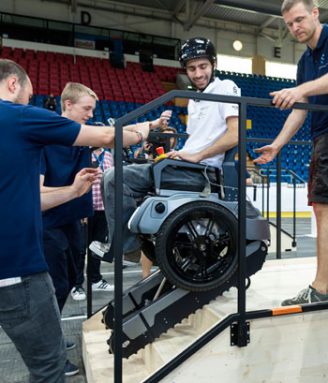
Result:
[
  {"x": 288, "y": 4},
  {"x": 73, "y": 91}
]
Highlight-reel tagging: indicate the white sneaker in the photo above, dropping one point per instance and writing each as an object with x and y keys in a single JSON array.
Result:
[
  {"x": 102, "y": 285},
  {"x": 99, "y": 248},
  {"x": 78, "y": 293}
]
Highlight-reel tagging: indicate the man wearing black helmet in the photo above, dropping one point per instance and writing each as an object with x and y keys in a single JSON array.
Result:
[{"x": 212, "y": 129}]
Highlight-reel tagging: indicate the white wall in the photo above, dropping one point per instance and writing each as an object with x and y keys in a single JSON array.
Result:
[{"x": 286, "y": 200}]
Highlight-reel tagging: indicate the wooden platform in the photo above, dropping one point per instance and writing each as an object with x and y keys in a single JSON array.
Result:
[{"x": 284, "y": 349}]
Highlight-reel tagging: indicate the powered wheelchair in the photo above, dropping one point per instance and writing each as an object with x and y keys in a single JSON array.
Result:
[{"x": 192, "y": 237}]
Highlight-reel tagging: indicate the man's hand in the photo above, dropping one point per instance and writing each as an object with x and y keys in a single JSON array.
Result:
[
  {"x": 162, "y": 121},
  {"x": 84, "y": 179},
  {"x": 182, "y": 155},
  {"x": 269, "y": 152},
  {"x": 286, "y": 98}
]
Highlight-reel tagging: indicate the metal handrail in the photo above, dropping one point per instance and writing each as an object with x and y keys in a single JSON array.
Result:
[{"x": 242, "y": 102}]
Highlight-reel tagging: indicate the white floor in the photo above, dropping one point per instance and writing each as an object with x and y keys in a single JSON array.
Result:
[
  {"x": 278, "y": 280},
  {"x": 282, "y": 349}
]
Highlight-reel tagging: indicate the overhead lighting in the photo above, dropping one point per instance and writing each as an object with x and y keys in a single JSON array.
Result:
[{"x": 237, "y": 45}]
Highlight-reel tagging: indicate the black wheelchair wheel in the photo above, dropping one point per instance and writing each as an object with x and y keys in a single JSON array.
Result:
[{"x": 196, "y": 246}]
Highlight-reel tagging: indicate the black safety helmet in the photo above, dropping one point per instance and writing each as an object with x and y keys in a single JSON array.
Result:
[{"x": 197, "y": 47}]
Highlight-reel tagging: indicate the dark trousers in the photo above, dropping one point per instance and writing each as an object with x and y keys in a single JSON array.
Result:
[
  {"x": 97, "y": 231},
  {"x": 62, "y": 248}
]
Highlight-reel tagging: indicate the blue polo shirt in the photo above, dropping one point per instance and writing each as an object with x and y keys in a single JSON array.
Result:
[
  {"x": 312, "y": 65},
  {"x": 24, "y": 132},
  {"x": 59, "y": 166}
]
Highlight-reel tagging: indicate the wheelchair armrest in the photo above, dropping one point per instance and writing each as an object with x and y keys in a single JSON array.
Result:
[{"x": 159, "y": 166}]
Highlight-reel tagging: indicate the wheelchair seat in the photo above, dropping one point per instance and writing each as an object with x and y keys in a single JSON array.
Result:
[{"x": 226, "y": 181}]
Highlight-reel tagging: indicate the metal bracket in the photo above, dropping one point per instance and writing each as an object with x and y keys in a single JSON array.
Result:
[{"x": 239, "y": 334}]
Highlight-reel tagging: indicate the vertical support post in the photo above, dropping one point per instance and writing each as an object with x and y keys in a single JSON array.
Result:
[
  {"x": 88, "y": 236},
  {"x": 89, "y": 289},
  {"x": 268, "y": 194},
  {"x": 294, "y": 211},
  {"x": 242, "y": 326},
  {"x": 262, "y": 180},
  {"x": 278, "y": 203},
  {"x": 118, "y": 251}
]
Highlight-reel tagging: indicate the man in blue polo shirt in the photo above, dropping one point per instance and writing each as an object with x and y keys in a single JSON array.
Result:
[
  {"x": 302, "y": 20},
  {"x": 28, "y": 309},
  {"x": 63, "y": 235}
]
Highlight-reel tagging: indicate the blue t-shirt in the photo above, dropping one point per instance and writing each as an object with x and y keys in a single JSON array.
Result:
[
  {"x": 312, "y": 65},
  {"x": 59, "y": 165},
  {"x": 24, "y": 131}
]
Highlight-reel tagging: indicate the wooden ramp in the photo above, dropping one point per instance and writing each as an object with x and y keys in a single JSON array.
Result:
[{"x": 285, "y": 349}]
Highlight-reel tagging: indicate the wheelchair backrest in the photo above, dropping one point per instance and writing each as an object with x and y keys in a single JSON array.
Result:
[{"x": 230, "y": 175}]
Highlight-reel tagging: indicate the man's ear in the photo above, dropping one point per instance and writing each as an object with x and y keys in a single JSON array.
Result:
[
  {"x": 315, "y": 13},
  {"x": 12, "y": 83},
  {"x": 68, "y": 104}
]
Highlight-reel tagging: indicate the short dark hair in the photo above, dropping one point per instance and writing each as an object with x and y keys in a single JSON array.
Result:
[
  {"x": 168, "y": 129},
  {"x": 288, "y": 4},
  {"x": 9, "y": 68}
]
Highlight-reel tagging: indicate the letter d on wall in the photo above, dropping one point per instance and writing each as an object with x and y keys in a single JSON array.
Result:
[{"x": 85, "y": 18}]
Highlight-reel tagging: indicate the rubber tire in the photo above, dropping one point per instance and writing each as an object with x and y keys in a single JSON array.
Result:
[{"x": 168, "y": 229}]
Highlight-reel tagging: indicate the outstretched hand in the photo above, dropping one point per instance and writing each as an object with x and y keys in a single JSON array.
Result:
[
  {"x": 84, "y": 179},
  {"x": 163, "y": 120},
  {"x": 268, "y": 153},
  {"x": 286, "y": 98}
]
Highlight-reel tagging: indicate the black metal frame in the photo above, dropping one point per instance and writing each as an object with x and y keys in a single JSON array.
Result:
[
  {"x": 241, "y": 316},
  {"x": 294, "y": 176}
]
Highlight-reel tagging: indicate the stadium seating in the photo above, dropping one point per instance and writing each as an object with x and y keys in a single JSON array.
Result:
[{"x": 123, "y": 90}]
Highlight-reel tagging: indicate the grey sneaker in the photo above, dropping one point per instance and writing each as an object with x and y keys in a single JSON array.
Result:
[
  {"x": 99, "y": 248},
  {"x": 308, "y": 295}
]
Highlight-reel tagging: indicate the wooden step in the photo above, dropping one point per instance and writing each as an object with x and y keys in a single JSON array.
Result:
[
  {"x": 177, "y": 339},
  {"x": 98, "y": 363}
]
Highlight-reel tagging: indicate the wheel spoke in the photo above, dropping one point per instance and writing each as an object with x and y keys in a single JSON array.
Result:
[
  {"x": 186, "y": 264},
  {"x": 192, "y": 229},
  {"x": 209, "y": 227}
]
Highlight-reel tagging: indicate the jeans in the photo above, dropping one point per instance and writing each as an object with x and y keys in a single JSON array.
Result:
[
  {"x": 30, "y": 317},
  {"x": 137, "y": 182}
]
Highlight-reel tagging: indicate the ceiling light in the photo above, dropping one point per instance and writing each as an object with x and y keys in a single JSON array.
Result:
[{"x": 237, "y": 45}]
